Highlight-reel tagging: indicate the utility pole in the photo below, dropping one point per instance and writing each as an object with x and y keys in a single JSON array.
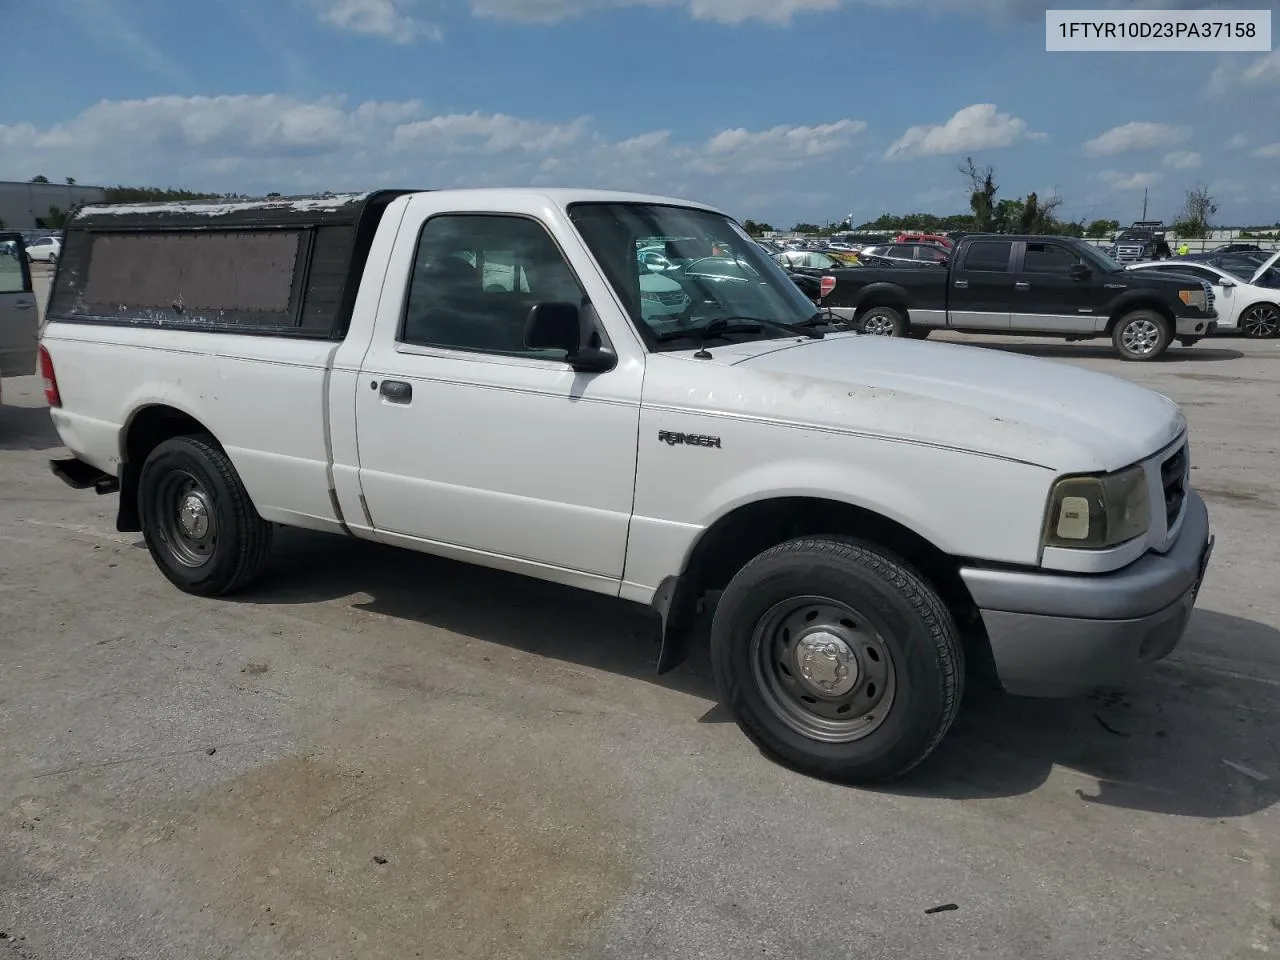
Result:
[{"x": 1145, "y": 191}]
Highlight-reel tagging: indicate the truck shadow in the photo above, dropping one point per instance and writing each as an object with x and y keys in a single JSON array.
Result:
[
  {"x": 1162, "y": 745},
  {"x": 27, "y": 428},
  {"x": 1097, "y": 351}
]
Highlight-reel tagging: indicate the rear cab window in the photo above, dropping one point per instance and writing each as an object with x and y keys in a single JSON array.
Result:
[{"x": 988, "y": 256}]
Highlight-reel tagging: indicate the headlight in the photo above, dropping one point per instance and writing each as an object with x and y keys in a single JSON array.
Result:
[
  {"x": 1194, "y": 298},
  {"x": 1094, "y": 513}
]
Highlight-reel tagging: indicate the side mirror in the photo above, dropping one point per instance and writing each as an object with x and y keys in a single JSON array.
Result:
[
  {"x": 1227, "y": 284},
  {"x": 557, "y": 325},
  {"x": 1080, "y": 272}
]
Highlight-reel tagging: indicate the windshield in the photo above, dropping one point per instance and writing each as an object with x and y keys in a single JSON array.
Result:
[
  {"x": 720, "y": 274},
  {"x": 1097, "y": 258}
]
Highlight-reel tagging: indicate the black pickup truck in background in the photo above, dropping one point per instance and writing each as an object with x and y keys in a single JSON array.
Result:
[{"x": 1029, "y": 286}]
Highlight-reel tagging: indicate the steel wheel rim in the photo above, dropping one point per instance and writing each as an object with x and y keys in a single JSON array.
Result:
[
  {"x": 823, "y": 669},
  {"x": 1140, "y": 337},
  {"x": 878, "y": 325},
  {"x": 1261, "y": 321},
  {"x": 188, "y": 525}
]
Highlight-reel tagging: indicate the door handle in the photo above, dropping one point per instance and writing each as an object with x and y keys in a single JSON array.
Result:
[
  {"x": 1021, "y": 285},
  {"x": 23, "y": 306},
  {"x": 962, "y": 284},
  {"x": 397, "y": 391}
]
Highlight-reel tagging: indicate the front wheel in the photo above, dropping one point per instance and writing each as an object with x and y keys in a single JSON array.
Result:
[
  {"x": 883, "y": 322},
  {"x": 837, "y": 659},
  {"x": 1261, "y": 321},
  {"x": 1141, "y": 335},
  {"x": 199, "y": 524}
]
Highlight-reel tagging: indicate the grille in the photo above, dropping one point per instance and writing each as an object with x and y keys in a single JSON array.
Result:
[
  {"x": 1130, "y": 251},
  {"x": 1210, "y": 296},
  {"x": 1173, "y": 478}
]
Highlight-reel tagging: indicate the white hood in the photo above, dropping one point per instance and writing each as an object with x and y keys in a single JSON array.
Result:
[{"x": 974, "y": 398}]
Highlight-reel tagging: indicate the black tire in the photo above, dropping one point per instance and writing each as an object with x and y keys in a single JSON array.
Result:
[
  {"x": 908, "y": 643},
  {"x": 883, "y": 322},
  {"x": 232, "y": 546},
  {"x": 1141, "y": 335},
  {"x": 1261, "y": 321}
]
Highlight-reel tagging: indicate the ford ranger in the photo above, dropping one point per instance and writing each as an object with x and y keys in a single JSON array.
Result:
[
  {"x": 474, "y": 374},
  {"x": 1029, "y": 285}
]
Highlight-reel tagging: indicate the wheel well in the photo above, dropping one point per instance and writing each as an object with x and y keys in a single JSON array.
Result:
[
  {"x": 742, "y": 534},
  {"x": 151, "y": 426},
  {"x": 148, "y": 428},
  {"x": 881, "y": 301},
  {"x": 1128, "y": 308}
]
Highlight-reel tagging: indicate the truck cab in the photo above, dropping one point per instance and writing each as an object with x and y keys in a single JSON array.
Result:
[{"x": 1144, "y": 240}]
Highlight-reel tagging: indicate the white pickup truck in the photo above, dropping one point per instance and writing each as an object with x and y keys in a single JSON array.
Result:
[{"x": 478, "y": 374}]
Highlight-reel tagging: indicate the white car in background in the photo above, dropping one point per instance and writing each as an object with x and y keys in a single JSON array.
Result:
[
  {"x": 1247, "y": 304},
  {"x": 44, "y": 250}
]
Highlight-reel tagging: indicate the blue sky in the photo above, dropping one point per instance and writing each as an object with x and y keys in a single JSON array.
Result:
[{"x": 782, "y": 110}]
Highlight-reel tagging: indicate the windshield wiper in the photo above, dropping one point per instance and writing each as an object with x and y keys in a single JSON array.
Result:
[{"x": 725, "y": 324}]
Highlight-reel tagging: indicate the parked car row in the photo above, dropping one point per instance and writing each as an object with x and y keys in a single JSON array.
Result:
[
  {"x": 1246, "y": 287},
  {"x": 1030, "y": 285}
]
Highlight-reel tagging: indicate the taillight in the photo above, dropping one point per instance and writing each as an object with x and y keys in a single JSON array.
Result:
[
  {"x": 51, "y": 395},
  {"x": 828, "y": 284}
]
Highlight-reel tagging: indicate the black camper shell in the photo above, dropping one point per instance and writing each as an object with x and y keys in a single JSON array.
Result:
[{"x": 276, "y": 266}]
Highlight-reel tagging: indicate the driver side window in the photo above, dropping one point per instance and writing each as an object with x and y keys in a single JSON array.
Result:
[{"x": 475, "y": 279}]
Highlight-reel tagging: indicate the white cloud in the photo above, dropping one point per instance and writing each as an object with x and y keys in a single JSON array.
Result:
[
  {"x": 1183, "y": 160},
  {"x": 1270, "y": 152},
  {"x": 1238, "y": 142},
  {"x": 784, "y": 11},
  {"x": 1137, "y": 135},
  {"x": 979, "y": 126},
  {"x": 386, "y": 19},
  {"x": 1264, "y": 71},
  {"x": 778, "y": 148},
  {"x": 1129, "y": 181},
  {"x": 255, "y": 144}
]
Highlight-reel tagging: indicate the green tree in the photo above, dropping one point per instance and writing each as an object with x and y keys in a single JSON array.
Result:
[
  {"x": 806, "y": 228},
  {"x": 71, "y": 181},
  {"x": 757, "y": 227},
  {"x": 1102, "y": 228},
  {"x": 1194, "y": 219},
  {"x": 40, "y": 178},
  {"x": 982, "y": 195}
]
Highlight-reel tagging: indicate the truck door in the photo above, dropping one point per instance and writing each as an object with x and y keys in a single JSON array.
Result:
[
  {"x": 19, "y": 318},
  {"x": 981, "y": 289},
  {"x": 473, "y": 442},
  {"x": 1050, "y": 293}
]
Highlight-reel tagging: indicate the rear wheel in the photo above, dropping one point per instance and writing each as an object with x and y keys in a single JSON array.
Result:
[
  {"x": 837, "y": 659},
  {"x": 1261, "y": 321},
  {"x": 1141, "y": 335},
  {"x": 199, "y": 524},
  {"x": 883, "y": 322}
]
